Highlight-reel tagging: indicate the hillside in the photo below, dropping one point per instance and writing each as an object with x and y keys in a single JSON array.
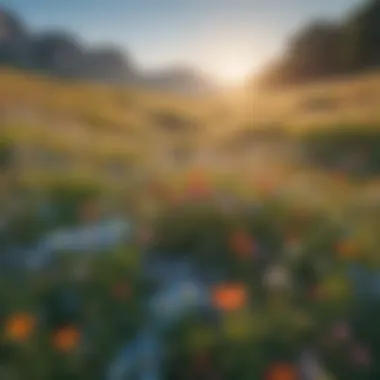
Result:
[
  {"x": 133, "y": 131},
  {"x": 325, "y": 49},
  {"x": 99, "y": 123}
]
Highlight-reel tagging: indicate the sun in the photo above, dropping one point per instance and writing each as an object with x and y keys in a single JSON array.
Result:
[
  {"x": 231, "y": 61},
  {"x": 233, "y": 72},
  {"x": 234, "y": 75}
]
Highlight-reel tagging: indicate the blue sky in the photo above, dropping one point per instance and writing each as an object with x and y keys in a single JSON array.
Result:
[{"x": 222, "y": 37}]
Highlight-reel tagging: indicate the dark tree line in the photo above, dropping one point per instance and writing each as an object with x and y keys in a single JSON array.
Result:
[{"x": 324, "y": 49}]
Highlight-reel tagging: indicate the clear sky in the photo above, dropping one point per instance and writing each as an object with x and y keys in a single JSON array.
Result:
[{"x": 222, "y": 37}]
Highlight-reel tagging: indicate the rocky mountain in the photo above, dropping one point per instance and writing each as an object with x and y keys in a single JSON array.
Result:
[{"x": 63, "y": 55}]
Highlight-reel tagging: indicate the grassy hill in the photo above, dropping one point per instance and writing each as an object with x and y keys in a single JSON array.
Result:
[
  {"x": 100, "y": 124},
  {"x": 111, "y": 133}
]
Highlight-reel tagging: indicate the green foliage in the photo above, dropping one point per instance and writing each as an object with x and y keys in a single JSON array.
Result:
[
  {"x": 330, "y": 145},
  {"x": 6, "y": 153}
]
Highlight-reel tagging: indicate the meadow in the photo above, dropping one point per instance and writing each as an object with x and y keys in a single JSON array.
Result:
[{"x": 272, "y": 200}]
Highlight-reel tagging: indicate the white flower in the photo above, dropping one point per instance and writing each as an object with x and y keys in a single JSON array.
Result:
[{"x": 277, "y": 277}]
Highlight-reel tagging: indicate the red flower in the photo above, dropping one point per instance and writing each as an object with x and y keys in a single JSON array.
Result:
[
  {"x": 66, "y": 339},
  {"x": 281, "y": 371}
]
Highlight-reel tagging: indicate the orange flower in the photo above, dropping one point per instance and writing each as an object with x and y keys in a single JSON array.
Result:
[
  {"x": 281, "y": 371},
  {"x": 66, "y": 339},
  {"x": 241, "y": 244},
  {"x": 19, "y": 327},
  {"x": 347, "y": 249},
  {"x": 229, "y": 297}
]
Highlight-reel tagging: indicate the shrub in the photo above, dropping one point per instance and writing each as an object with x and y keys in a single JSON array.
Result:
[{"x": 331, "y": 147}]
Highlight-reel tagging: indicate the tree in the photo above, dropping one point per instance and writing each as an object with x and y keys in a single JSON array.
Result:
[{"x": 323, "y": 49}]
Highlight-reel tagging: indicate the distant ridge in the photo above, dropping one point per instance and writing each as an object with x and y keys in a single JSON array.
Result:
[{"x": 61, "y": 54}]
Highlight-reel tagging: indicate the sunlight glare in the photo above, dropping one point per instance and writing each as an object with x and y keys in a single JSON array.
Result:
[{"x": 233, "y": 72}]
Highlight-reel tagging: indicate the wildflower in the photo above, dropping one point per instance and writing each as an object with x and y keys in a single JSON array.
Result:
[
  {"x": 66, "y": 339},
  {"x": 229, "y": 297},
  {"x": 19, "y": 327},
  {"x": 281, "y": 371},
  {"x": 277, "y": 277}
]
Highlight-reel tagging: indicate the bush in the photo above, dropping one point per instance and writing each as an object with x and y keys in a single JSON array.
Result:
[{"x": 353, "y": 149}]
